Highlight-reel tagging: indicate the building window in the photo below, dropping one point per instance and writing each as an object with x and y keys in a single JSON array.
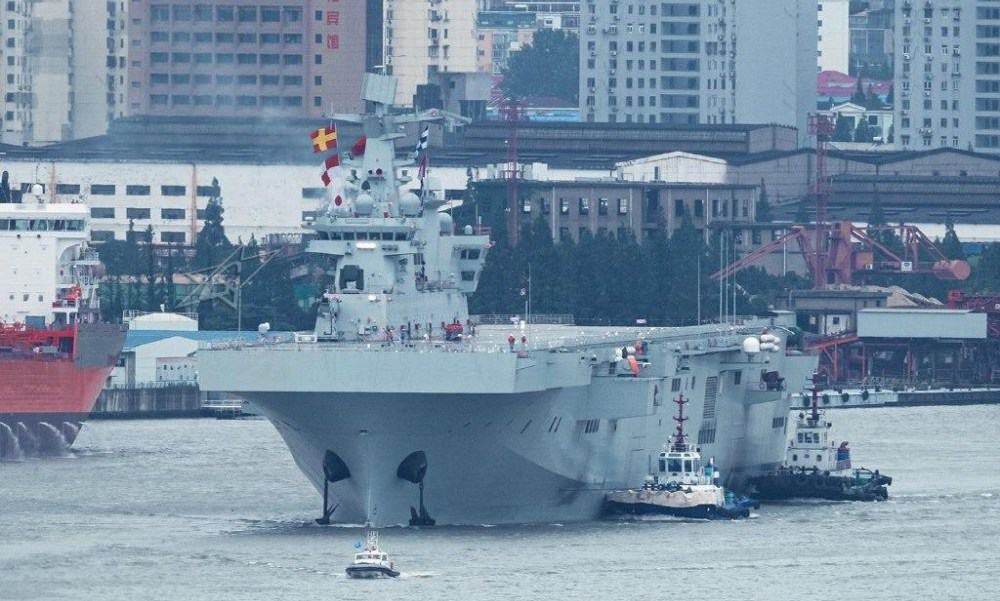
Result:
[
  {"x": 584, "y": 206},
  {"x": 622, "y": 206},
  {"x": 102, "y": 189},
  {"x": 137, "y": 213},
  {"x": 678, "y": 207},
  {"x": 67, "y": 188},
  {"x": 134, "y": 190},
  {"x": 101, "y": 236},
  {"x": 102, "y": 212},
  {"x": 602, "y": 206},
  {"x": 291, "y": 59},
  {"x": 270, "y": 14},
  {"x": 172, "y": 214},
  {"x": 247, "y": 14},
  {"x": 172, "y": 190},
  {"x": 173, "y": 238}
]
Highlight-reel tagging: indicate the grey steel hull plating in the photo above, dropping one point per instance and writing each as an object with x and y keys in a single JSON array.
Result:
[{"x": 540, "y": 437}]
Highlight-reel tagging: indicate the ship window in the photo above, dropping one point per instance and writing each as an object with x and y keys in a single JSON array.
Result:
[
  {"x": 400, "y": 236},
  {"x": 675, "y": 385},
  {"x": 468, "y": 276},
  {"x": 352, "y": 277},
  {"x": 663, "y": 465},
  {"x": 800, "y": 437},
  {"x": 362, "y": 235},
  {"x": 348, "y": 235},
  {"x": 687, "y": 466},
  {"x": 737, "y": 377},
  {"x": 795, "y": 457},
  {"x": 335, "y": 236},
  {"x": 819, "y": 458},
  {"x": 674, "y": 465}
]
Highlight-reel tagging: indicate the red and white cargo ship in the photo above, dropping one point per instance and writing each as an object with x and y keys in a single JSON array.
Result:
[{"x": 55, "y": 354}]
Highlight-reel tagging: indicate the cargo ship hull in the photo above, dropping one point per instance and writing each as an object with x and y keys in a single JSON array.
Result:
[{"x": 45, "y": 398}]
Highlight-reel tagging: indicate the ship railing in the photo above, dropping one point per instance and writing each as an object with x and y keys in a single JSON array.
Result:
[
  {"x": 694, "y": 342},
  {"x": 502, "y": 319}
]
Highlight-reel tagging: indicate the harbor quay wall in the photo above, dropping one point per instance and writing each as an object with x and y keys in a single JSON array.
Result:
[
  {"x": 848, "y": 399},
  {"x": 150, "y": 402}
]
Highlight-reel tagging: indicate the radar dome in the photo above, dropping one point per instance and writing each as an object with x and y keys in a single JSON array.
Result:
[
  {"x": 364, "y": 204},
  {"x": 446, "y": 223},
  {"x": 409, "y": 204}
]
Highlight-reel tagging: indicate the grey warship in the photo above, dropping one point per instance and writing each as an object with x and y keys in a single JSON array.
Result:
[{"x": 394, "y": 403}]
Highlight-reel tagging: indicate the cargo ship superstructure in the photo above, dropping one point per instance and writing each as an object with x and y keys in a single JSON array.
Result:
[
  {"x": 55, "y": 354},
  {"x": 396, "y": 402}
]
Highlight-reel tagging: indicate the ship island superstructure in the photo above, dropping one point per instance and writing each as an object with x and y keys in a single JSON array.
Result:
[
  {"x": 55, "y": 355},
  {"x": 396, "y": 400}
]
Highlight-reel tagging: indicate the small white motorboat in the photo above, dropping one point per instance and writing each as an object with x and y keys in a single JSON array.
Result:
[{"x": 371, "y": 562}]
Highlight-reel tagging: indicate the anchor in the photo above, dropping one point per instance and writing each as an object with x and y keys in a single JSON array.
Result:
[
  {"x": 413, "y": 469},
  {"x": 334, "y": 470}
]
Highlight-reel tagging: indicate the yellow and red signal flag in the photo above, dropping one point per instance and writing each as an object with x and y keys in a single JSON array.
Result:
[{"x": 324, "y": 139}]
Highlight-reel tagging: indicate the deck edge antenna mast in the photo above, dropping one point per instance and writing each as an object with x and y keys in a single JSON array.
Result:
[
  {"x": 821, "y": 126},
  {"x": 512, "y": 112}
]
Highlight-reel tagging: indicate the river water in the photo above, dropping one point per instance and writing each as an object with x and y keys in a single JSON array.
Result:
[{"x": 203, "y": 509}]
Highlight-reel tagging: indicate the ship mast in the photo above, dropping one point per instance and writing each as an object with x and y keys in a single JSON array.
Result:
[{"x": 679, "y": 436}]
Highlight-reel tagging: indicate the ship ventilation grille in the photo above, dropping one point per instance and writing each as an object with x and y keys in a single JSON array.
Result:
[{"x": 711, "y": 392}]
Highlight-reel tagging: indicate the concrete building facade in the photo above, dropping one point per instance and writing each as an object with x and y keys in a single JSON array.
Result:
[
  {"x": 499, "y": 33},
  {"x": 947, "y": 74},
  {"x": 872, "y": 40},
  {"x": 247, "y": 57},
  {"x": 426, "y": 37},
  {"x": 834, "y": 35},
  {"x": 687, "y": 62},
  {"x": 63, "y": 69}
]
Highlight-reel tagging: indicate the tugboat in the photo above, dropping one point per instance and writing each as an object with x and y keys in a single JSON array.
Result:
[
  {"x": 681, "y": 487},
  {"x": 816, "y": 467},
  {"x": 371, "y": 562}
]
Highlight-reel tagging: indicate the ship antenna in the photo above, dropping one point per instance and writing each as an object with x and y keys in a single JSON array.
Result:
[
  {"x": 816, "y": 380},
  {"x": 679, "y": 444}
]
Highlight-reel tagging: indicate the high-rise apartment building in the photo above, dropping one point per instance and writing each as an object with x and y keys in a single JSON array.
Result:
[
  {"x": 247, "y": 57},
  {"x": 872, "y": 40},
  {"x": 425, "y": 37},
  {"x": 62, "y": 75},
  {"x": 834, "y": 35},
  {"x": 699, "y": 61},
  {"x": 947, "y": 74}
]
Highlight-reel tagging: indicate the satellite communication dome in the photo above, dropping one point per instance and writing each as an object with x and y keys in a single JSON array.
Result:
[
  {"x": 364, "y": 204},
  {"x": 446, "y": 222},
  {"x": 409, "y": 204}
]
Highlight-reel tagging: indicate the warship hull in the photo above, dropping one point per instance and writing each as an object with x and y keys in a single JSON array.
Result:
[{"x": 507, "y": 437}]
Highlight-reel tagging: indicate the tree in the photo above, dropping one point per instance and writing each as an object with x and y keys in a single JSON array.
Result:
[
  {"x": 859, "y": 97},
  {"x": 212, "y": 244},
  {"x": 863, "y": 133},
  {"x": 763, "y": 211},
  {"x": 951, "y": 246},
  {"x": 169, "y": 288},
  {"x": 153, "y": 296},
  {"x": 549, "y": 66},
  {"x": 843, "y": 131}
]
